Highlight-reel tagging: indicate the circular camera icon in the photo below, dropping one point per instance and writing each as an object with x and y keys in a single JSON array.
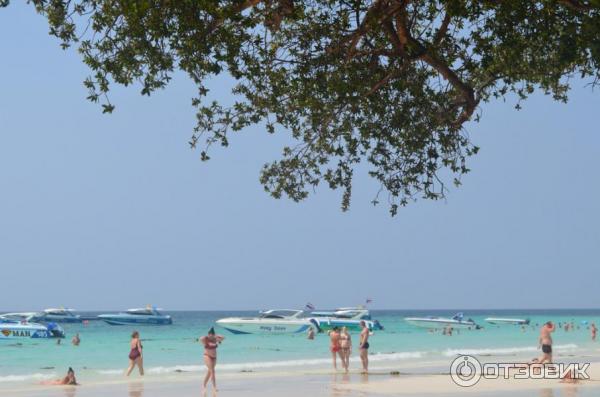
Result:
[{"x": 465, "y": 371}]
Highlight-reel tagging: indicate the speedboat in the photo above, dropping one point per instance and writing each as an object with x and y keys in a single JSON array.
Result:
[
  {"x": 344, "y": 312},
  {"x": 146, "y": 316},
  {"x": 442, "y": 322},
  {"x": 349, "y": 317},
  {"x": 503, "y": 320},
  {"x": 61, "y": 315},
  {"x": 268, "y": 322},
  {"x": 12, "y": 325}
]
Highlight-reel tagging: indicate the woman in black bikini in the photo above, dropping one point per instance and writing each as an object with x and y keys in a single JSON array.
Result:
[
  {"x": 211, "y": 342},
  {"x": 135, "y": 354}
]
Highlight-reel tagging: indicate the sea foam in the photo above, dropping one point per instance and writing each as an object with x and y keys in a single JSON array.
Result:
[
  {"x": 503, "y": 351},
  {"x": 27, "y": 377}
]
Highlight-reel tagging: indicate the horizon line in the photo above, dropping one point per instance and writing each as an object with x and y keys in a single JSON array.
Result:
[{"x": 285, "y": 308}]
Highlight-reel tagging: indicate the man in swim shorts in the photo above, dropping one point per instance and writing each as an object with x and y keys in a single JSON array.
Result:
[
  {"x": 545, "y": 342},
  {"x": 364, "y": 346}
]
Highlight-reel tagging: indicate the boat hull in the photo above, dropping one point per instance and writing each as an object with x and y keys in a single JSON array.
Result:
[
  {"x": 506, "y": 321},
  {"x": 29, "y": 331},
  {"x": 59, "y": 319},
  {"x": 326, "y": 324},
  {"x": 136, "y": 321},
  {"x": 437, "y": 323},
  {"x": 258, "y": 326}
]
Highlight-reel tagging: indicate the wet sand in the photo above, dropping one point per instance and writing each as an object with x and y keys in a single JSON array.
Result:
[{"x": 318, "y": 384}]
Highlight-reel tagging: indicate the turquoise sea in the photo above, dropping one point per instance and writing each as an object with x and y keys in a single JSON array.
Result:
[{"x": 169, "y": 349}]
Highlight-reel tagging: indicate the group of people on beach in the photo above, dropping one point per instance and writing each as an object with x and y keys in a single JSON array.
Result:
[
  {"x": 341, "y": 346},
  {"x": 210, "y": 341}
]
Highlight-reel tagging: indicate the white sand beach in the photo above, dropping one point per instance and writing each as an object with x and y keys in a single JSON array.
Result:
[{"x": 316, "y": 383}]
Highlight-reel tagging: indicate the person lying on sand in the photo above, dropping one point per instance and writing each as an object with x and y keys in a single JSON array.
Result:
[
  {"x": 569, "y": 378},
  {"x": 67, "y": 380}
]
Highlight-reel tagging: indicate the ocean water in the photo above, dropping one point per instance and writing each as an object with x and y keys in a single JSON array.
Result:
[{"x": 170, "y": 349}]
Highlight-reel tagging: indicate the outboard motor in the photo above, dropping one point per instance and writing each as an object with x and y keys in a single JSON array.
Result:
[
  {"x": 316, "y": 324},
  {"x": 55, "y": 330}
]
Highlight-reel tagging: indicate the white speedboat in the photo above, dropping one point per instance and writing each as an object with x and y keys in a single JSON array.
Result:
[
  {"x": 12, "y": 325},
  {"x": 61, "y": 315},
  {"x": 442, "y": 322},
  {"x": 349, "y": 317},
  {"x": 147, "y": 316},
  {"x": 269, "y": 322},
  {"x": 344, "y": 312},
  {"x": 504, "y": 320}
]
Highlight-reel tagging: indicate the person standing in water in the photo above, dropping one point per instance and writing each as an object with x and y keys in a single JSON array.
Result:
[
  {"x": 135, "y": 354},
  {"x": 311, "y": 333},
  {"x": 594, "y": 331},
  {"x": 345, "y": 348},
  {"x": 76, "y": 340},
  {"x": 211, "y": 342},
  {"x": 334, "y": 347},
  {"x": 545, "y": 342},
  {"x": 364, "y": 346}
]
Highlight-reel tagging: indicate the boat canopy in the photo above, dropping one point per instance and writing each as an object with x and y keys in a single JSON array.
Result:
[
  {"x": 18, "y": 316},
  {"x": 61, "y": 310}
]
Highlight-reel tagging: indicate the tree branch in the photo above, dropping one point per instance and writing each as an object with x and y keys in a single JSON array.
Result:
[
  {"x": 576, "y": 5},
  {"x": 409, "y": 43},
  {"x": 374, "y": 14},
  {"x": 239, "y": 8},
  {"x": 441, "y": 32}
]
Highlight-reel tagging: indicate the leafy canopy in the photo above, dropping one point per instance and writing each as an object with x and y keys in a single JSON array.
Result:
[{"x": 387, "y": 82}]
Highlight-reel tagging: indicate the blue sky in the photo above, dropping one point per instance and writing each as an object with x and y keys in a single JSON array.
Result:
[{"x": 115, "y": 211}]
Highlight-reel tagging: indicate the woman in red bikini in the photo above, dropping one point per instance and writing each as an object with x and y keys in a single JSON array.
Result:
[
  {"x": 334, "y": 347},
  {"x": 211, "y": 342},
  {"x": 135, "y": 354},
  {"x": 67, "y": 380}
]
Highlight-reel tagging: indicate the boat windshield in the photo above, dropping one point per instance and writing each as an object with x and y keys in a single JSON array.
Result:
[
  {"x": 140, "y": 312},
  {"x": 59, "y": 312},
  {"x": 280, "y": 314}
]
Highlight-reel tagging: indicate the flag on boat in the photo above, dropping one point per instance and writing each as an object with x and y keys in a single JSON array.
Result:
[
  {"x": 310, "y": 306},
  {"x": 369, "y": 300}
]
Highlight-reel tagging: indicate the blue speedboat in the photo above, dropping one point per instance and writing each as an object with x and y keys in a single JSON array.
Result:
[
  {"x": 58, "y": 316},
  {"x": 147, "y": 316},
  {"x": 13, "y": 326}
]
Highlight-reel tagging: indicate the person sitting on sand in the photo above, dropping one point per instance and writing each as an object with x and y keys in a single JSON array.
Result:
[
  {"x": 67, "y": 380},
  {"x": 76, "y": 340},
  {"x": 334, "y": 347},
  {"x": 135, "y": 354},
  {"x": 211, "y": 342},
  {"x": 545, "y": 342},
  {"x": 345, "y": 348}
]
